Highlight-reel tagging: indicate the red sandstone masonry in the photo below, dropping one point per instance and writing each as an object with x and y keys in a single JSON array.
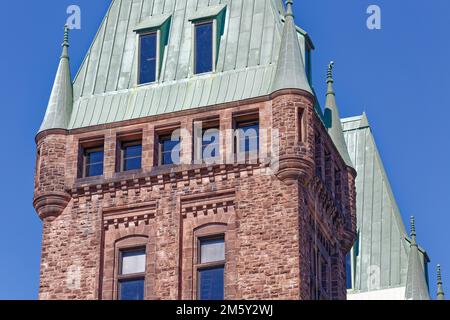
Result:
[{"x": 267, "y": 222}]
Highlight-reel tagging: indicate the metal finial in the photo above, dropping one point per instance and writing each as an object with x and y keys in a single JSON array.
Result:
[
  {"x": 440, "y": 291},
  {"x": 439, "y": 274},
  {"x": 66, "y": 36},
  {"x": 289, "y": 10},
  {"x": 413, "y": 226},
  {"x": 330, "y": 71}
]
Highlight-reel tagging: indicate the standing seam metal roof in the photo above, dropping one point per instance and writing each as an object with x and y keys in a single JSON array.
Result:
[
  {"x": 382, "y": 251},
  {"x": 105, "y": 89}
]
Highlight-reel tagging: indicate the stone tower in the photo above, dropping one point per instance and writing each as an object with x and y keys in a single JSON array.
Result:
[{"x": 189, "y": 159}]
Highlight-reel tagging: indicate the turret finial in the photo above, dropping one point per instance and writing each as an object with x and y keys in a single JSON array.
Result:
[
  {"x": 289, "y": 10},
  {"x": 413, "y": 231},
  {"x": 330, "y": 72},
  {"x": 65, "y": 44},
  {"x": 439, "y": 274},
  {"x": 413, "y": 226},
  {"x": 440, "y": 293},
  {"x": 66, "y": 36}
]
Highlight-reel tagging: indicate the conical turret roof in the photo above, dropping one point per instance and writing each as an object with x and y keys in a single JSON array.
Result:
[{"x": 60, "y": 105}]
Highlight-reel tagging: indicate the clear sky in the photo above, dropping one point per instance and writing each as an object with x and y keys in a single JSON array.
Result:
[{"x": 399, "y": 75}]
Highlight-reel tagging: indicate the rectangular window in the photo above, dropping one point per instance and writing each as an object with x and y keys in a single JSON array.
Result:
[
  {"x": 131, "y": 155},
  {"x": 318, "y": 156},
  {"x": 211, "y": 284},
  {"x": 247, "y": 136},
  {"x": 148, "y": 64},
  {"x": 348, "y": 270},
  {"x": 169, "y": 149},
  {"x": 338, "y": 187},
  {"x": 131, "y": 283},
  {"x": 93, "y": 162},
  {"x": 211, "y": 269},
  {"x": 204, "y": 47},
  {"x": 329, "y": 176},
  {"x": 324, "y": 274}
]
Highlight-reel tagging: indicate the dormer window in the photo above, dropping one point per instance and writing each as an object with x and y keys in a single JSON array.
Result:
[
  {"x": 153, "y": 37},
  {"x": 208, "y": 28},
  {"x": 204, "y": 47},
  {"x": 148, "y": 57}
]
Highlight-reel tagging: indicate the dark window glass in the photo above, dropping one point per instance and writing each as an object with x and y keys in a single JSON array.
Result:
[
  {"x": 131, "y": 289},
  {"x": 204, "y": 47},
  {"x": 94, "y": 163},
  {"x": 148, "y": 57},
  {"x": 211, "y": 284},
  {"x": 248, "y": 136},
  {"x": 132, "y": 156},
  {"x": 324, "y": 274},
  {"x": 210, "y": 143},
  {"x": 167, "y": 146},
  {"x": 348, "y": 269}
]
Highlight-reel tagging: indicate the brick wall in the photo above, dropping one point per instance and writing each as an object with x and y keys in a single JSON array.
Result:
[{"x": 266, "y": 218}]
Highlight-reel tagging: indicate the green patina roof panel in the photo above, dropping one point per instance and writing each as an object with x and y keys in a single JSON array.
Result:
[
  {"x": 105, "y": 88},
  {"x": 383, "y": 246}
]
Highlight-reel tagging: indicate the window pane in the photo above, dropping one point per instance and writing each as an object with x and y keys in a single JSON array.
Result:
[
  {"x": 133, "y": 151},
  {"x": 348, "y": 269},
  {"x": 94, "y": 170},
  {"x": 94, "y": 157},
  {"x": 132, "y": 164},
  {"x": 211, "y": 143},
  {"x": 212, "y": 250},
  {"x": 133, "y": 262},
  {"x": 211, "y": 284},
  {"x": 131, "y": 290},
  {"x": 167, "y": 147},
  {"x": 148, "y": 58},
  {"x": 248, "y": 138},
  {"x": 203, "y": 48}
]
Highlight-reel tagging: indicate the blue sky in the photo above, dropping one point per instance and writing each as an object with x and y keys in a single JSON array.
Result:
[{"x": 399, "y": 75}]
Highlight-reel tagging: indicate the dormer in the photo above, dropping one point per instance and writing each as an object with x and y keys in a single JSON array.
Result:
[
  {"x": 152, "y": 38},
  {"x": 207, "y": 29}
]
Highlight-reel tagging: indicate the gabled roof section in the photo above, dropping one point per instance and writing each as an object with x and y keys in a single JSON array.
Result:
[
  {"x": 416, "y": 283},
  {"x": 290, "y": 72},
  {"x": 60, "y": 104},
  {"x": 333, "y": 119},
  {"x": 382, "y": 250},
  {"x": 105, "y": 88}
]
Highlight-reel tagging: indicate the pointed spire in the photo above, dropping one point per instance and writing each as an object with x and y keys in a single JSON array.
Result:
[
  {"x": 333, "y": 119},
  {"x": 290, "y": 72},
  {"x": 440, "y": 293},
  {"x": 60, "y": 103},
  {"x": 416, "y": 283}
]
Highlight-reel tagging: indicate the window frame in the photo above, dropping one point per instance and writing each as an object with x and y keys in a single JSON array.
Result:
[
  {"x": 156, "y": 32},
  {"x": 251, "y": 155},
  {"x": 198, "y": 143},
  {"x": 130, "y": 277},
  {"x": 125, "y": 144},
  {"x": 199, "y": 266},
  {"x": 85, "y": 152},
  {"x": 196, "y": 23},
  {"x": 161, "y": 137}
]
